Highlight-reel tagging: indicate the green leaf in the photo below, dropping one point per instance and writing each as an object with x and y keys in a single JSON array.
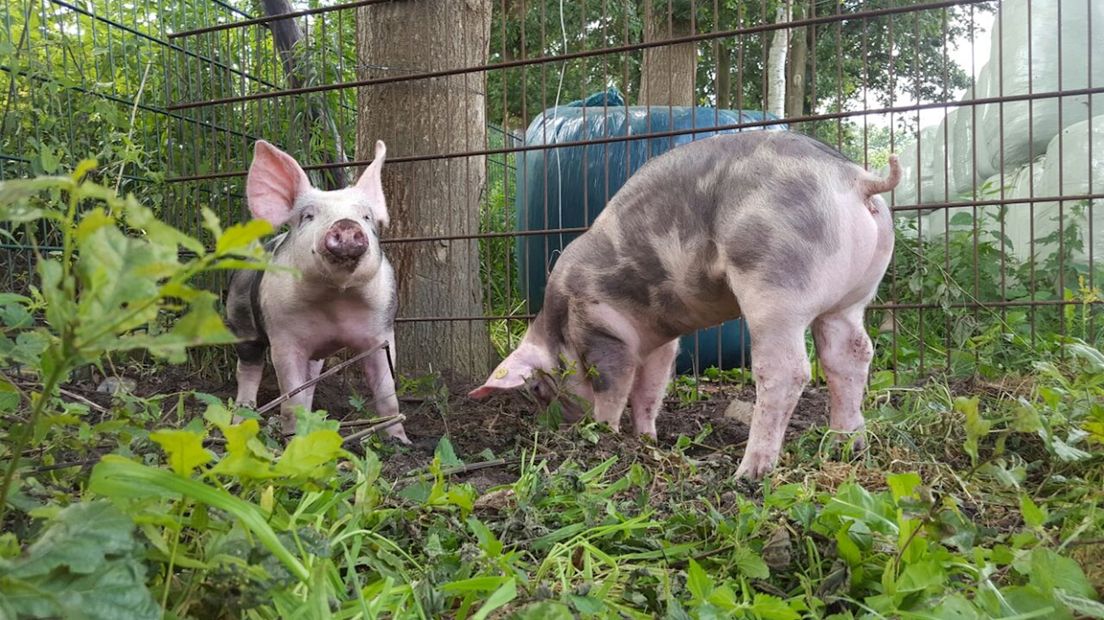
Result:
[
  {"x": 506, "y": 593},
  {"x": 117, "y": 590},
  {"x": 241, "y": 460},
  {"x": 80, "y": 537},
  {"x": 770, "y": 607},
  {"x": 699, "y": 583},
  {"x": 976, "y": 427},
  {"x": 1080, "y": 605},
  {"x": 239, "y": 236},
  {"x": 1049, "y": 571},
  {"x": 903, "y": 485},
  {"x": 184, "y": 449},
  {"x": 162, "y": 234},
  {"x": 447, "y": 454},
  {"x": 305, "y": 454},
  {"x": 544, "y": 610},
  {"x": 1033, "y": 516},
  {"x": 751, "y": 564},
  {"x": 847, "y": 548},
  {"x": 115, "y": 476},
  {"x": 955, "y": 607},
  {"x": 84, "y": 565},
  {"x": 921, "y": 576}
]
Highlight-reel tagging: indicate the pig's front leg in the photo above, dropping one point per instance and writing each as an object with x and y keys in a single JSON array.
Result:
[
  {"x": 377, "y": 374},
  {"x": 650, "y": 386},
  {"x": 781, "y": 369},
  {"x": 293, "y": 367},
  {"x": 844, "y": 350},
  {"x": 611, "y": 369}
]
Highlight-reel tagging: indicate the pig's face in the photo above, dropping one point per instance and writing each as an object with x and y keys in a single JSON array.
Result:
[
  {"x": 547, "y": 372},
  {"x": 332, "y": 234}
]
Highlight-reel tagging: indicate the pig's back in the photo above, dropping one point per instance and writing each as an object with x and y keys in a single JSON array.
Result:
[{"x": 661, "y": 247}]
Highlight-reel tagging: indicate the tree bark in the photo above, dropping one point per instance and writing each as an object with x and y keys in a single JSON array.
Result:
[
  {"x": 287, "y": 35},
  {"x": 668, "y": 72},
  {"x": 776, "y": 63},
  {"x": 797, "y": 65},
  {"x": 724, "y": 75},
  {"x": 435, "y": 197}
]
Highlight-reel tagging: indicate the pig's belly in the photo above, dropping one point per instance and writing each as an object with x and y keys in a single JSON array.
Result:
[{"x": 321, "y": 337}]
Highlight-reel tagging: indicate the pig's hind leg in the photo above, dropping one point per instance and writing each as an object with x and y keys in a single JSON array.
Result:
[
  {"x": 845, "y": 351},
  {"x": 652, "y": 378},
  {"x": 781, "y": 369}
]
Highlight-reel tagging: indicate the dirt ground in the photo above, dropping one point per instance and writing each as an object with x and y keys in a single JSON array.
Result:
[{"x": 502, "y": 427}]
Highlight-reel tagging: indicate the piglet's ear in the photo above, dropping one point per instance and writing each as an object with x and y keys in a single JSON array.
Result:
[
  {"x": 275, "y": 180},
  {"x": 510, "y": 374},
  {"x": 371, "y": 183}
]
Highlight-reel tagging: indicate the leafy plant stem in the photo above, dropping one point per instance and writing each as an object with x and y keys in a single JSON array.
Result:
[{"x": 25, "y": 432}]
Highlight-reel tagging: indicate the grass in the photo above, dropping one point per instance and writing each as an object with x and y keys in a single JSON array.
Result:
[{"x": 976, "y": 499}]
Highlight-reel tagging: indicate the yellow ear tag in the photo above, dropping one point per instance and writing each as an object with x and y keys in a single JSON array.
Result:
[{"x": 501, "y": 373}]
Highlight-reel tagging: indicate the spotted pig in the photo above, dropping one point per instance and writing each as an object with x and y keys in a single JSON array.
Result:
[
  {"x": 337, "y": 290},
  {"x": 774, "y": 227}
]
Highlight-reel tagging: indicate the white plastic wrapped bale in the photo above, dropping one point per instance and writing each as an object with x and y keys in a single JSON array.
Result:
[
  {"x": 917, "y": 172},
  {"x": 931, "y": 144},
  {"x": 1068, "y": 171},
  {"x": 943, "y": 182},
  {"x": 905, "y": 193},
  {"x": 939, "y": 221},
  {"x": 976, "y": 124},
  {"x": 1020, "y": 183},
  {"x": 1042, "y": 31}
]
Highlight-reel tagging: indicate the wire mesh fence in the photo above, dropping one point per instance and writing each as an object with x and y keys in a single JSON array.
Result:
[{"x": 510, "y": 123}]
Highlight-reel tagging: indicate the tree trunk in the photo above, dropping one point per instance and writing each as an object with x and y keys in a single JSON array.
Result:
[
  {"x": 436, "y": 197},
  {"x": 796, "y": 66},
  {"x": 668, "y": 72},
  {"x": 724, "y": 75},
  {"x": 297, "y": 68},
  {"x": 776, "y": 64}
]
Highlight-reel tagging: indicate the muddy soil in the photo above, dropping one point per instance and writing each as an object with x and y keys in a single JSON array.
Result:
[{"x": 503, "y": 427}]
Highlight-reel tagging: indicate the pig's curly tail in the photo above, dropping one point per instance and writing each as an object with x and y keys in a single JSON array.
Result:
[{"x": 873, "y": 185}]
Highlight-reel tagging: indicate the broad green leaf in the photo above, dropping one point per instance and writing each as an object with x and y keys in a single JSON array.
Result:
[
  {"x": 903, "y": 485},
  {"x": 1048, "y": 571},
  {"x": 92, "y": 221},
  {"x": 240, "y": 459},
  {"x": 544, "y": 610},
  {"x": 184, "y": 449},
  {"x": 1081, "y": 605},
  {"x": 751, "y": 564},
  {"x": 847, "y": 548},
  {"x": 239, "y": 236},
  {"x": 976, "y": 427},
  {"x": 81, "y": 538},
  {"x": 306, "y": 453},
  {"x": 770, "y": 607},
  {"x": 475, "y": 584},
  {"x": 506, "y": 593},
  {"x": 1033, "y": 516},
  {"x": 142, "y": 218},
  {"x": 921, "y": 576},
  {"x": 447, "y": 454},
  {"x": 116, "y": 590},
  {"x": 115, "y": 476},
  {"x": 956, "y": 607},
  {"x": 698, "y": 582}
]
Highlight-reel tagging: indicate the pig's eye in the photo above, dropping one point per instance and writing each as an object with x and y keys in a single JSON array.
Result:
[{"x": 306, "y": 218}]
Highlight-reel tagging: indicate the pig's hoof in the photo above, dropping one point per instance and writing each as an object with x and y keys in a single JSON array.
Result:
[
  {"x": 398, "y": 436},
  {"x": 853, "y": 439},
  {"x": 755, "y": 465}
]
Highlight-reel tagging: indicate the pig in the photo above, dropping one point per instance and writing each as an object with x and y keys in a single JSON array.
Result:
[
  {"x": 336, "y": 291},
  {"x": 771, "y": 226}
]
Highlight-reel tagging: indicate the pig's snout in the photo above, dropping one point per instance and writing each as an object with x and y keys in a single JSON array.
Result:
[{"x": 345, "y": 241}]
